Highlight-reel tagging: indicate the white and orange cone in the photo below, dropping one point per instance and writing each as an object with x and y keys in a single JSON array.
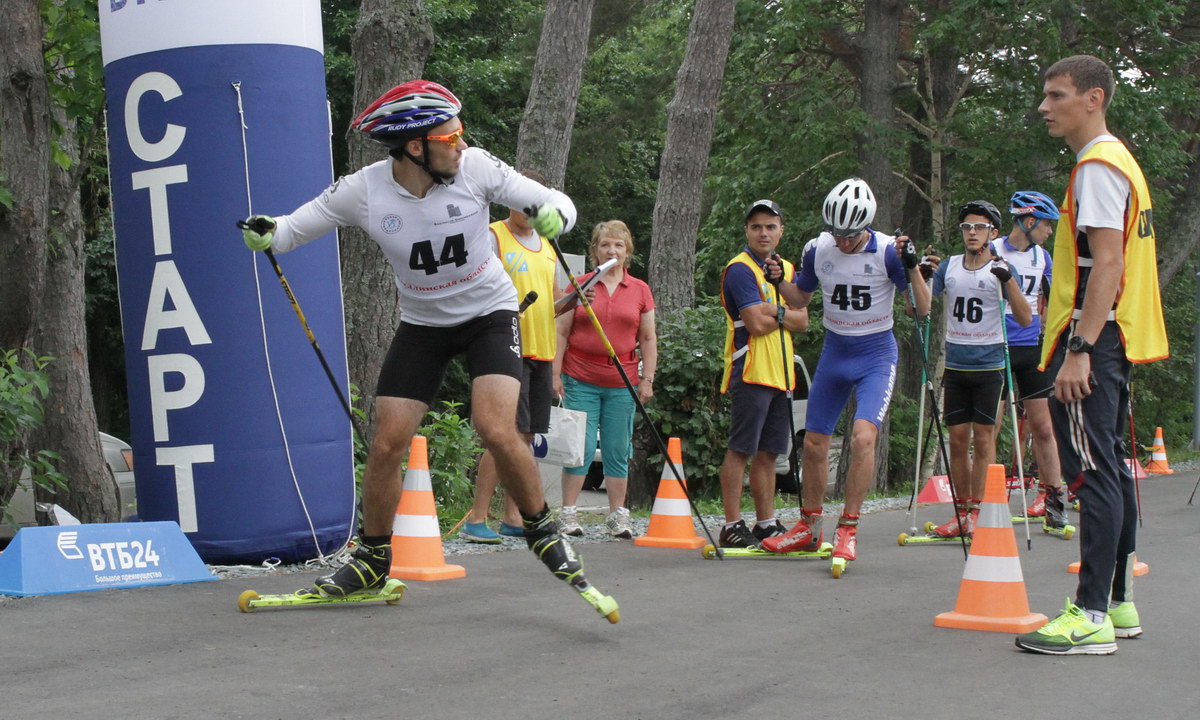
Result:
[
  {"x": 992, "y": 594},
  {"x": 416, "y": 539},
  {"x": 671, "y": 523}
]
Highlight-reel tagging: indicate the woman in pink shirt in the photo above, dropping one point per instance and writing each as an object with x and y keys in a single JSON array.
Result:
[{"x": 584, "y": 374}]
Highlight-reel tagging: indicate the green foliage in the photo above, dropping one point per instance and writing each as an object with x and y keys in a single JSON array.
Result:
[
  {"x": 22, "y": 392},
  {"x": 687, "y": 393},
  {"x": 454, "y": 452}
]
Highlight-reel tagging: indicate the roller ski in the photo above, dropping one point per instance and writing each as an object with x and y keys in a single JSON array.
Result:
[
  {"x": 391, "y": 593},
  {"x": 959, "y": 528},
  {"x": 824, "y": 550},
  {"x": 845, "y": 544},
  {"x": 363, "y": 578},
  {"x": 553, "y": 549}
]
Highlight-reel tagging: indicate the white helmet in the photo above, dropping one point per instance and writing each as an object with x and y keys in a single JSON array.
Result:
[{"x": 849, "y": 208}]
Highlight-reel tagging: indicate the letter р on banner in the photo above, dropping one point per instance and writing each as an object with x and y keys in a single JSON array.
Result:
[{"x": 209, "y": 450}]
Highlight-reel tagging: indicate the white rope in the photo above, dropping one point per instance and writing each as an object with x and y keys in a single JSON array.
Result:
[{"x": 262, "y": 321}]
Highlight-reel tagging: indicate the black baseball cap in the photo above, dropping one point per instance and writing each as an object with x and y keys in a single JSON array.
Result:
[{"x": 769, "y": 205}]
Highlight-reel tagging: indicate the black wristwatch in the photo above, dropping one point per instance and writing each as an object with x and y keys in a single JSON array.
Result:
[{"x": 1077, "y": 344}]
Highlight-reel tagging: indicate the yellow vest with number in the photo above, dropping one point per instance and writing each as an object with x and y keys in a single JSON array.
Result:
[
  {"x": 1139, "y": 306},
  {"x": 534, "y": 271},
  {"x": 764, "y": 360}
]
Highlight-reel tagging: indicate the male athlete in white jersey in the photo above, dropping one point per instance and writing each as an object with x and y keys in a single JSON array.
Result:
[
  {"x": 859, "y": 271},
  {"x": 1034, "y": 215},
  {"x": 975, "y": 356},
  {"x": 427, "y": 207}
]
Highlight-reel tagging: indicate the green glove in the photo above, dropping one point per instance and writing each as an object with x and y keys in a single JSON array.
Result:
[
  {"x": 546, "y": 220},
  {"x": 257, "y": 231}
]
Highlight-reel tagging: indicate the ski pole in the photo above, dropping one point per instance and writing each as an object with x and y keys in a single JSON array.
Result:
[
  {"x": 793, "y": 466},
  {"x": 312, "y": 339},
  {"x": 1137, "y": 483},
  {"x": 935, "y": 410},
  {"x": 1193, "y": 495},
  {"x": 912, "y": 500},
  {"x": 1012, "y": 408},
  {"x": 612, "y": 356}
]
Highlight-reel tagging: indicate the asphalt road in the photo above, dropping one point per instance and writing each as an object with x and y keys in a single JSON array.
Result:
[{"x": 698, "y": 639}]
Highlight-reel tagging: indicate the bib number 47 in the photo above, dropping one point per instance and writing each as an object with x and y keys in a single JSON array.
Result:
[{"x": 453, "y": 252}]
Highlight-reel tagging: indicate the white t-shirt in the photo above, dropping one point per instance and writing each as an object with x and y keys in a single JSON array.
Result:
[
  {"x": 439, "y": 246},
  {"x": 1101, "y": 193}
]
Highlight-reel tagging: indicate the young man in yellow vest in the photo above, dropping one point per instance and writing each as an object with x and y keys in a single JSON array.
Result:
[
  {"x": 757, "y": 321},
  {"x": 529, "y": 260},
  {"x": 1104, "y": 313}
]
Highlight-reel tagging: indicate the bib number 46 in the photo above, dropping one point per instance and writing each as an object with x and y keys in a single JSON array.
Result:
[{"x": 453, "y": 252}]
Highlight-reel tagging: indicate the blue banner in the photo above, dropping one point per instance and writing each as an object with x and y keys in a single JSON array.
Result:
[{"x": 216, "y": 110}]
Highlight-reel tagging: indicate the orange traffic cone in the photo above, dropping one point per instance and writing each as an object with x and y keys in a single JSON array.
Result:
[
  {"x": 671, "y": 518},
  {"x": 416, "y": 540},
  {"x": 992, "y": 594},
  {"x": 1158, "y": 456}
]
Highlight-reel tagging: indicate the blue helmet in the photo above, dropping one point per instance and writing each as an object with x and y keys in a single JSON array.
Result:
[{"x": 1031, "y": 202}]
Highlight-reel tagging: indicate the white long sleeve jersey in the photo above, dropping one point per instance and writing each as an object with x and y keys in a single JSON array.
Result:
[{"x": 439, "y": 246}]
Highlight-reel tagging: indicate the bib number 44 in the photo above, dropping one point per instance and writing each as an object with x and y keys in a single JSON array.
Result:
[{"x": 453, "y": 252}]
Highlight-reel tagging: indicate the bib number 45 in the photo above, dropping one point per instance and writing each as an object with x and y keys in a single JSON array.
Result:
[
  {"x": 453, "y": 252},
  {"x": 851, "y": 296}
]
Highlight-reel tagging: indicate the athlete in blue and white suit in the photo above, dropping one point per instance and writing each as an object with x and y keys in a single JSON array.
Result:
[
  {"x": 858, "y": 270},
  {"x": 1034, "y": 215}
]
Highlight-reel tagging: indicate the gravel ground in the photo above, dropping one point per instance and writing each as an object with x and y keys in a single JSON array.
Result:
[{"x": 594, "y": 531}]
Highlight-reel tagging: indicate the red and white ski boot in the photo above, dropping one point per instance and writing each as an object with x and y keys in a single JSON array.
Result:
[
  {"x": 962, "y": 524},
  {"x": 845, "y": 544},
  {"x": 805, "y": 535}
]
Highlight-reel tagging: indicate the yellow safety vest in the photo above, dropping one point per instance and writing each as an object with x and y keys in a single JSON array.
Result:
[
  {"x": 764, "y": 364},
  {"x": 534, "y": 271},
  {"x": 1139, "y": 307}
]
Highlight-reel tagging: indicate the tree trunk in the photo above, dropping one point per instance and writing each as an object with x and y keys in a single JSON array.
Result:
[
  {"x": 879, "y": 49},
  {"x": 69, "y": 427},
  {"x": 690, "y": 120},
  {"x": 544, "y": 140},
  {"x": 24, "y": 192},
  {"x": 24, "y": 169},
  {"x": 392, "y": 38}
]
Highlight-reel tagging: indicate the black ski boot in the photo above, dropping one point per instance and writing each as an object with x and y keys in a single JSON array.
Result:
[
  {"x": 1054, "y": 522},
  {"x": 365, "y": 571},
  {"x": 555, "y": 551},
  {"x": 553, "y": 548}
]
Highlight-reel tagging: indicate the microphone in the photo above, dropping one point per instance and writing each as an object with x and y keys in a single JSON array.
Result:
[{"x": 530, "y": 298}]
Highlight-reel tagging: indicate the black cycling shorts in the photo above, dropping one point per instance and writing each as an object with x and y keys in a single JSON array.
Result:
[
  {"x": 971, "y": 396},
  {"x": 1032, "y": 384},
  {"x": 537, "y": 394},
  {"x": 419, "y": 354}
]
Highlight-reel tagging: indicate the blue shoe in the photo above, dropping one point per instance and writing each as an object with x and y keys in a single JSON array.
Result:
[
  {"x": 479, "y": 533},
  {"x": 511, "y": 530}
]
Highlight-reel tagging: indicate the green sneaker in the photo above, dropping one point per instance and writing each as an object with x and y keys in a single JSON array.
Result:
[
  {"x": 1125, "y": 620},
  {"x": 1071, "y": 633}
]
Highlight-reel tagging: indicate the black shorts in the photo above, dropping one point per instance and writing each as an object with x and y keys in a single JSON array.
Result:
[
  {"x": 1032, "y": 384},
  {"x": 971, "y": 396},
  {"x": 537, "y": 393},
  {"x": 417, "y": 359}
]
